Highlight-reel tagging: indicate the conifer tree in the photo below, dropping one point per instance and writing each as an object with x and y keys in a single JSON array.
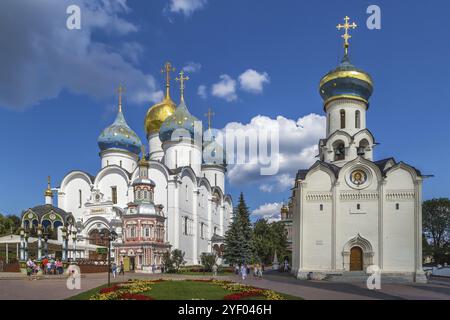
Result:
[{"x": 239, "y": 246}]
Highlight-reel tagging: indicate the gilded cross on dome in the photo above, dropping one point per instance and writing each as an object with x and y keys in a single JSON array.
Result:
[
  {"x": 120, "y": 91},
  {"x": 182, "y": 79},
  {"x": 167, "y": 69},
  {"x": 209, "y": 114},
  {"x": 346, "y": 36}
]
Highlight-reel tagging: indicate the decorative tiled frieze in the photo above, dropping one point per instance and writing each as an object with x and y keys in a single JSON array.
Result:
[
  {"x": 400, "y": 195},
  {"x": 351, "y": 196},
  {"x": 319, "y": 196}
]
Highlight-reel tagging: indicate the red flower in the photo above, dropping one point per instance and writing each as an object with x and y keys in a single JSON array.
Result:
[
  {"x": 110, "y": 289},
  {"x": 131, "y": 296},
  {"x": 242, "y": 295}
]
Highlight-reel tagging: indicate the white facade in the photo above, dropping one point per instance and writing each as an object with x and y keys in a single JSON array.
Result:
[
  {"x": 196, "y": 207},
  {"x": 349, "y": 211}
]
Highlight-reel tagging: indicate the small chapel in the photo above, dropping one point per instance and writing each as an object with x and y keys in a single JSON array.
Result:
[{"x": 351, "y": 211}]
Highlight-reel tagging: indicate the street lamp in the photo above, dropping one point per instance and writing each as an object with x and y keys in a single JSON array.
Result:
[
  {"x": 64, "y": 244},
  {"x": 74, "y": 238},
  {"x": 39, "y": 233},
  {"x": 111, "y": 237}
]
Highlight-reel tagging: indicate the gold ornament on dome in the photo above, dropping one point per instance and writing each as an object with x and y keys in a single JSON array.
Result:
[{"x": 159, "y": 112}]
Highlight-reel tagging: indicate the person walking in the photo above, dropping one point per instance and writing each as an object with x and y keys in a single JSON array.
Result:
[
  {"x": 114, "y": 270},
  {"x": 122, "y": 269},
  {"x": 214, "y": 269},
  {"x": 244, "y": 272}
]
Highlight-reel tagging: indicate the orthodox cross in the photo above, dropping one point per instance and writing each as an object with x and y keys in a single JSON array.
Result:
[
  {"x": 209, "y": 114},
  {"x": 182, "y": 79},
  {"x": 346, "y": 36},
  {"x": 167, "y": 69},
  {"x": 48, "y": 182},
  {"x": 120, "y": 91}
]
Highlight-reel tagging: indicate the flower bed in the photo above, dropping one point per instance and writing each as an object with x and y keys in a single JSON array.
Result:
[
  {"x": 136, "y": 289},
  {"x": 131, "y": 290}
]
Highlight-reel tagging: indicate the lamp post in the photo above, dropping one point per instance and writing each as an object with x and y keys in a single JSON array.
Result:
[
  {"x": 39, "y": 234},
  {"x": 111, "y": 237},
  {"x": 46, "y": 244},
  {"x": 74, "y": 239},
  {"x": 26, "y": 245},
  {"x": 64, "y": 244}
]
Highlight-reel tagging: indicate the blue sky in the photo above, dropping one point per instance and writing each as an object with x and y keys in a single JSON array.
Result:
[{"x": 57, "y": 85}]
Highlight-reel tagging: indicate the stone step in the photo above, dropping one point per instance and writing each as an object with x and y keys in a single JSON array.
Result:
[{"x": 361, "y": 277}]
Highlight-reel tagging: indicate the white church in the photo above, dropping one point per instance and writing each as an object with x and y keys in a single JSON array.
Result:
[
  {"x": 189, "y": 187},
  {"x": 349, "y": 210}
]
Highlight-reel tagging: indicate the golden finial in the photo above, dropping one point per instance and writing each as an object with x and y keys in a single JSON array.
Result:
[
  {"x": 48, "y": 192},
  {"x": 167, "y": 69},
  {"x": 182, "y": 79},
  {"x": 120, "y": 91},
  {"x": 346, "y": 36},
  {"x": 209, "y": 114},
  {"x": 143, "y": 160}
]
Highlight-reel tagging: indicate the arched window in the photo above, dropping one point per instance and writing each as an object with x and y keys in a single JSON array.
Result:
[
  {"x": 342, "y": 119},
  {"x": 80, "y": 196},
  {"x": 186, "y": 226},
  {"x": 357, "y": 119},
  {"x": 363, "y": 146}
]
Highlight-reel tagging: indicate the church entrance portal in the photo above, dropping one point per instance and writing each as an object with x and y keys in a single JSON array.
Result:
[{"x": 356, "y": 259}]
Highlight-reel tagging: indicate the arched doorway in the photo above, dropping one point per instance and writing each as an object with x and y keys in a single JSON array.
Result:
[
  {"x": 95, "y": 238},
  {"x": 356, "y": 259}
]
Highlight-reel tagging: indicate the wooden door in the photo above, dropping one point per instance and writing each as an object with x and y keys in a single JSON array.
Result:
[{"x": 356, "y": 259}]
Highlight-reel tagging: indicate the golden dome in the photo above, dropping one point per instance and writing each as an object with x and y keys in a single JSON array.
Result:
[{"x": 158, "y": 113}]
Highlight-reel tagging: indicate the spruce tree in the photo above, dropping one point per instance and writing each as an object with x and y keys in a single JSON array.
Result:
[{"x": 239, "y": 246}]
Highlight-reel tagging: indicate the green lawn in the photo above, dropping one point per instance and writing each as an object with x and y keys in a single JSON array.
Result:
[{"x": 182, "y": 290}]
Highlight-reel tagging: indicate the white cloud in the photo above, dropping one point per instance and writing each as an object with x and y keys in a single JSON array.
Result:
[
  {"x": 192, "y": 67},
  {"x": 44, "y": 57},
  {"x": 225, "y": 88},
  {"x": 253, "y": 81},
  {"x": 297, "y": 150},
  {"x": 268, "y": 211},
  {"x": 201, "y": 91},
  {"x": 186, "y": 7}
]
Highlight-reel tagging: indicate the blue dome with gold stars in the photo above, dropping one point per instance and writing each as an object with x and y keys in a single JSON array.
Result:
[
  {"x": 181, "y": 122},
  {"x": 119, "y": 136}
]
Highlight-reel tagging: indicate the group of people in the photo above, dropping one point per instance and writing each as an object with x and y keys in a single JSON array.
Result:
[
  {"x": 117, "y": 269},
  {"x": 244, "y": 270},
  {"x": 47, "y": 266}
]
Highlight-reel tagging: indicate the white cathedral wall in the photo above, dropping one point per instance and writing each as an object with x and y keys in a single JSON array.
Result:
[
  {"x": 203, "y": 218},
  {"x": 114, "y": 179},
  {"x": 186, "y": 210},
  {"x": 399, "y": 240},
  {"x": 350, "y": 221},
  {"x": 70, "y": 198},
  {"x": 317, "y": 224}
]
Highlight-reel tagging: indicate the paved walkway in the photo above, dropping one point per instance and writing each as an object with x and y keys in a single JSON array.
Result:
[{"x": 17, "y": 287}]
